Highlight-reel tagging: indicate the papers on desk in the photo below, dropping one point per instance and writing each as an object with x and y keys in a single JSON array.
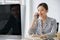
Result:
[
  {"x": 32, "y": 38},
  {"x": 29, "y": 37},
  {"x": 58, "y": 35},
  {"x": 37, "y": 38}
]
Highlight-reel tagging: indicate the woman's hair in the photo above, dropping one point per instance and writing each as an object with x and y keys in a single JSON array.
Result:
[{"x": 44, "y": 5}]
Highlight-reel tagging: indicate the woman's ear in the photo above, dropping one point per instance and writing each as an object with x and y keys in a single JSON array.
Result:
[{"x": 47, "y": 11}]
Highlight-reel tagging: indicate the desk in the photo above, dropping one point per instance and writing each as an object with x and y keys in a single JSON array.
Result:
[
  {"x": 35, "y": 38},
  {"x": 10, "y": 37},
  {"x": 17, "y": 37}
]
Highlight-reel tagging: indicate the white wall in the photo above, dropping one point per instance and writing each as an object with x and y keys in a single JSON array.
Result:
[{"x": 27, "y": 17}]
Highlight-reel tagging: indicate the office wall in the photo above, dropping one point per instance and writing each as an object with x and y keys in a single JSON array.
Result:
[{"x": 10, "y": 1}]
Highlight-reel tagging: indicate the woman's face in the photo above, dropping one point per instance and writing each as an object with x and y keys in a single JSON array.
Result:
[{"x": 42, "y": 11}]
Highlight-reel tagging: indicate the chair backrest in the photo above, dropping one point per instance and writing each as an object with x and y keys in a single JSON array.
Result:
[{"x": 57, "y": 26}]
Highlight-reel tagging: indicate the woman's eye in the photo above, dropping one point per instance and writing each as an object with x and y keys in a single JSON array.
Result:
[{"x": 42, "y": 10}]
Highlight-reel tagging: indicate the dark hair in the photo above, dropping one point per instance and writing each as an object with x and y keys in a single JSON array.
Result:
[{"x": 44, "y": 5}]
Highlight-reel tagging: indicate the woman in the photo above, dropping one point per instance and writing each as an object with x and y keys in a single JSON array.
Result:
[{"x": 42, "y": 25}]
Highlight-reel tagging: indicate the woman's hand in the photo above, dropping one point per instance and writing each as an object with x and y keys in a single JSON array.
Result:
[
  {"x": 36, "y": 15},
  {"x": 35, "y": 35},
  {"x": 39, "y": 36},
  {"x": 43, "y": 36}
]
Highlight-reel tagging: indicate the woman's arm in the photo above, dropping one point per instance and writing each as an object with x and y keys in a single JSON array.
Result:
[
  {"x": 33, "y": 25},
  {"x": 34, "y": 20}
]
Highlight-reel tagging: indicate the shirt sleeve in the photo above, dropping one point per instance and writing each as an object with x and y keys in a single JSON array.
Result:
[
  {"x": 54, "y": 28},
  {"x": 33, "y": 30}
]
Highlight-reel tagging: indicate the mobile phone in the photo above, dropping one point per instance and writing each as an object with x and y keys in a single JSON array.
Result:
[{"x": 37, "y": 15}]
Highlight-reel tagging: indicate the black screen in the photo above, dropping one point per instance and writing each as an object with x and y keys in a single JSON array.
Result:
[{"x": 10, "y": 19}]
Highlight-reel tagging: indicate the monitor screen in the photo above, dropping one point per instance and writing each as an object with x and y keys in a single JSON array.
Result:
[{"x": 10, "y": 19}]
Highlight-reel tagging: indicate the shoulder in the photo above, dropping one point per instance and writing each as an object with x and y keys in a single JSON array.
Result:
[{"x": 51, "y": 19}]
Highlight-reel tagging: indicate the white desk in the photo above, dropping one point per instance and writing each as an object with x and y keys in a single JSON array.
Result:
[
  {"x": 17, "y": 37},
  {"x": 10, "y": 37},
  {"x": 38, "y": 38}
]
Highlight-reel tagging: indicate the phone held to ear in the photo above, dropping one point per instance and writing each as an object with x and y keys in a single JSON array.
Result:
[{"x": 38, "y": 16}]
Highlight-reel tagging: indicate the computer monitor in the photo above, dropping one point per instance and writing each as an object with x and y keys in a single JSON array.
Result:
[{"x": 10, "y": 19}]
